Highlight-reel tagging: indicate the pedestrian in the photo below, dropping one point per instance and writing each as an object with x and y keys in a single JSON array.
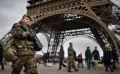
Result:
[
  {"x": 71, "y": 58},
  {"x": 1, "y": 57},
  {"x": 115, "y": 58},
  {"x": 88, "y": 56},
  {"x": 61, "y": 58},
  {"x": 108, "y": 57},
  {"x": 80, "y": 60},
  {"x": 45, "y": 58},
  {"x": 25, "y": 47},
  {"x": 96, "y": 57}
]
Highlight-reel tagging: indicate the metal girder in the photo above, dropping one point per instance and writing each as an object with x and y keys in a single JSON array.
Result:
[
  {"x": 7, "y": 40},
  {"x": 99, "y": 38},
  {"x": 83, "y": 32},
  {"x": 87, "y": 8}
]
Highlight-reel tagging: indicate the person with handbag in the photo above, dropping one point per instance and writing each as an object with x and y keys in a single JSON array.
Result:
[
  {"x": 80, "y": 60},
  {"x": 108, "y": 58},
  {"x": 61, "y": 57}
]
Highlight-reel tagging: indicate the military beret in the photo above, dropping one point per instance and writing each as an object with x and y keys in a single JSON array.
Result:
[{"x": 27, "y": 15}]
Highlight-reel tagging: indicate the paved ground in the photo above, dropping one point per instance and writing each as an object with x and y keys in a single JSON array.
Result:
[{"x": 54, "y": 70}]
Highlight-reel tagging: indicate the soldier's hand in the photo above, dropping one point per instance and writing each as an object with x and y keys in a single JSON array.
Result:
[{"x": 30, "y": 37}]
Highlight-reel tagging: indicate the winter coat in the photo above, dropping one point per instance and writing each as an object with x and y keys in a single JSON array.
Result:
[
  {"x": 115, "y": 55},
  {"x": 61, "y": 54},
  {"x": 88, "y": 54},
  {"x": 95, "y": 53},
  {"x": 107, "y": 56}
]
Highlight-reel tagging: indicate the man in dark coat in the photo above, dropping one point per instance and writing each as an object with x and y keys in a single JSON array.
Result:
[
  {"x": 115, "y": 57},
  {"x": 88, "y": 56},
  {"x": 1, "y": 57},
  {"x": 45, "y": 58}
]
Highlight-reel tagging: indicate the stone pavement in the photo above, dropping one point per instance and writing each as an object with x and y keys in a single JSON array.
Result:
[{"x": 54, "y": 70}]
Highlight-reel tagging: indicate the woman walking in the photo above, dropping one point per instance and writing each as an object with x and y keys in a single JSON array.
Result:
[
  {"x": 107, "y": 58},
  {"x": 80, "y": 60},
  {"x": 61, "y": 57}
]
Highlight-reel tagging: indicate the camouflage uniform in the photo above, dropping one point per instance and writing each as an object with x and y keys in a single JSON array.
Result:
[
  {"x": 71, "y": 62},
  {"x": 24, "y": 50}
]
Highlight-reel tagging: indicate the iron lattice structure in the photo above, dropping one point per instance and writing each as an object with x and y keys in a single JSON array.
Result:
[{"x": 61, "y": 20}]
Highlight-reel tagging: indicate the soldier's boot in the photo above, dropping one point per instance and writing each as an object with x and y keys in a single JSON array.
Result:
[
  {"x": 69, "y": 69},
  {"x": 15, "y": 72}
]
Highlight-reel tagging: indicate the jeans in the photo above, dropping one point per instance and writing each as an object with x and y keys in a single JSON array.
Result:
[
  {"x": 114, "y": 64},
  {"x": 89, "y": 63},
  {"x": 45, "y": 62}
]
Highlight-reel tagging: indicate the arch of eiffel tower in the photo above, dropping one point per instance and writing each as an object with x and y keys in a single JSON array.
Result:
[{"x": 62, "y": 20}]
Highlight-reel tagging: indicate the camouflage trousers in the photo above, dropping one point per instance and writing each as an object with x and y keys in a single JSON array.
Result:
[
  {"x": 71, "y": 63},
  {"x": 28, "y": 62}
]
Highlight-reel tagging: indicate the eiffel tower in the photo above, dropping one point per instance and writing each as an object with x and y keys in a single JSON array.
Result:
[{"x": 62, "y": 20}]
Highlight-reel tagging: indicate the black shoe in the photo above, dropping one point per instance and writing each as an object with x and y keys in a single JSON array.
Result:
[
  {"x": 66, "y": 67},
  {"x": 69, "y": 71},
  {"x": 2, "y": 69},
  {"x": 112, "y": 70},
  {"x": 59, "y": 69},
  {"x": 107, "y": 70},
  {"x": 76, "y": 70},
  {"x": 115, "y": 69}
]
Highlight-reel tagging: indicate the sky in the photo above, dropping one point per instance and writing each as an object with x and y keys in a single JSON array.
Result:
[{"x": 11, "y": 12}]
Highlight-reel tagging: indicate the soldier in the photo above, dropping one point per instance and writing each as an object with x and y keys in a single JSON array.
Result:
[
  {"x": 71, "y": 62},
  {"x": 25, "y": 48}
]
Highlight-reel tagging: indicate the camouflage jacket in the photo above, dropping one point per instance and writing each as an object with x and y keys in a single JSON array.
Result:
[
  {"x": 23, "y": 45},
  {"x": 71, "y": 52}
]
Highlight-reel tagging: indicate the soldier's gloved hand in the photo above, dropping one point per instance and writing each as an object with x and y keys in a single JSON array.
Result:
[{"x": 30, "y": 37}]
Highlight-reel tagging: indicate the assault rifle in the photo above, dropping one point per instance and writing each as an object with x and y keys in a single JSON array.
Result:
[
  {"x": 75, "y": 56},
  {"x": 37, "y": 44}
]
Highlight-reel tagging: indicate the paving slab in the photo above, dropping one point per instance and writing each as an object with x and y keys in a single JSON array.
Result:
[{"x": 54, "y": 70}]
